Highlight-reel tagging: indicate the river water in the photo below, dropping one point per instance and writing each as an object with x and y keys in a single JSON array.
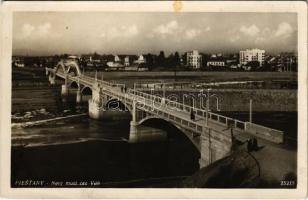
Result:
[
  {"x": 78, "y": 151},
  {"x": 82, "y": 152}
]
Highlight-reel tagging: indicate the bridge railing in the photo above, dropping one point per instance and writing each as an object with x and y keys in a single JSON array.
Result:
[
  {"x": 90, "y": 80},
  {"x": 147, "y": 96},
  {"x": 220, "y": 119},
  {"x": 255, "y": 129},
  {"x": 178, "y": 120},
  {"x": 160, "y": 111},
  {"x": 262, "y": 131}
]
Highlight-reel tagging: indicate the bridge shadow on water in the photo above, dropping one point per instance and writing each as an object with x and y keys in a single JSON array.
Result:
[{"x": 111, "y": 163}]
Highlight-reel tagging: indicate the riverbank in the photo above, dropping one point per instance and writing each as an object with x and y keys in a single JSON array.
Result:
[
  {"x": 211, "y": 76},
  {"x": 39, "y": 122},
  {"x": 235, "y": 100}
]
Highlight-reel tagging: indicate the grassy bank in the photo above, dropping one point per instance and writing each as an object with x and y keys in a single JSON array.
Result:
[{"x": 201, "y": 74}]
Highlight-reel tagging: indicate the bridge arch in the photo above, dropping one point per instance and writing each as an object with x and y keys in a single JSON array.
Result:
[
  {"x": 86, "y": 91},
  {"x": 73, "y": 68},
  {"x": 74, "y": 85},
  {"x": 68, "y": 67},
  {"x": 186, "y": 133},
  {"x": 60, "y": 67}
]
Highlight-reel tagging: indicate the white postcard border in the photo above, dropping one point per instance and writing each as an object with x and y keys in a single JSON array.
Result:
[{"x": 7, "y": 8}]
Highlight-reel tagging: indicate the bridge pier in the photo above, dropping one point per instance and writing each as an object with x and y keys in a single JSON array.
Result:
[
  {"x": 96, "y": 109},
  {"x": 64, "y": 90},
  {"x": 133, "y": 131},
  {"x": 139, "y": 133},
  {"x": 52, "y": 79},
  {"x": 214, "y": 146},
  {"x": 78, "y": 96},
  {"x": 205, "y": 150}
]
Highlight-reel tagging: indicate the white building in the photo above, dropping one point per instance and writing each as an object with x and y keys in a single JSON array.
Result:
[
  {"x": 252, "y": 55},
  {"x": 19, "y": 64},
  {"x": 126, "y": 61},
  {"x": 194, "y": 59},
  {"x": 116, "y": 58},
  {"x": 140, "y": 60},
  {"x": 219, "y": 63}
]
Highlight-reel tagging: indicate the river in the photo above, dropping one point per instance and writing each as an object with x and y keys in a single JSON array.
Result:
[{"x": 82, "y": 152}]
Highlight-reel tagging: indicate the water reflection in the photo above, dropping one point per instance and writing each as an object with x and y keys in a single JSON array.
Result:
[{"x": 147, "y": 134}]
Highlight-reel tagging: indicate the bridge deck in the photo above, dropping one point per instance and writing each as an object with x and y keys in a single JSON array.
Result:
[{"x": 175, "y": 112}]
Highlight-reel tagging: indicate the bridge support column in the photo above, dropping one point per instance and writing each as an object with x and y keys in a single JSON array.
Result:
[
  {"x": 64, "y": 90},
  {"x": 163, "y": 100},
  {"x": 205, "y": 150},
  {"x": 52, "y": 80},
  {"x": 96, "y": 109},
  {"x": 133, "y": 132},
  {"x": 78, "y": 96},
  {"x": 214, "y": 148}
]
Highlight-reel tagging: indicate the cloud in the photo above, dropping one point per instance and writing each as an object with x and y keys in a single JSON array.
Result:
[
  {"x": 192, "y": 33},
  {"x": 32, "y": 31},
  {"x": 172, "y": 28},
  {"x": 167, "y": 29},
  {"x": 284, "y": 30},
  {"x": 252, "y": 30},
  {"x": 27, "y": 30},
  {"x": 234, "y": 38},
  {"x": 102, "y": 35},
  {"x": 267, "y": 31},
  {"x": 118, "y": 32},
  {"x": 43, "y": 29},
  {"x": 207, "y": 29},
  {"x": 260, "y": 39},
  {"x": 132, "y": 31}
]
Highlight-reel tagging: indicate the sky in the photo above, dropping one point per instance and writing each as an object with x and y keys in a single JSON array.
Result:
[{"x": 50, "y": 33}]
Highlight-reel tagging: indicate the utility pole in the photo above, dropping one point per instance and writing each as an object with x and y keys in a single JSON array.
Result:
[
  {"x": 207, "y": 106},
  {"x": 164, "y": 90},
  {"x": 250, "y": 110}
]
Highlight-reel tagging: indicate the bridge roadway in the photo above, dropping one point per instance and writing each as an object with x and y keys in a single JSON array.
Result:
[{"x": 174, "y": 112}]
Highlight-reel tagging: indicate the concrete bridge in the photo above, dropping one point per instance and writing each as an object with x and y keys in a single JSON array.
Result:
[{"x": 212, "y": 134}]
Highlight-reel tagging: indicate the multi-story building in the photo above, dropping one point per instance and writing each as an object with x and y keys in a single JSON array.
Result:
[
  {"x": 194, "y": 59},
  {"x": 126, "y": 61},
  {"x": 249, "y": 55}
]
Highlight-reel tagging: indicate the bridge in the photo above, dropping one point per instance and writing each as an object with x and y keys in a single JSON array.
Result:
[{"x": 212, "y": 134}]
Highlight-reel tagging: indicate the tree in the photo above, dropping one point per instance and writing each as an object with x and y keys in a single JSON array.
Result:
[
  {"x": 253, "y": 64},
  {"x": 177, "y": 59},
  {"x": 149, "y": 60},
  {"x": 161, "y": 60},
  {"x": 170, "y": 61},
  {"x": 95, "y": 56},
  {"x": 184, "y": 58}
]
